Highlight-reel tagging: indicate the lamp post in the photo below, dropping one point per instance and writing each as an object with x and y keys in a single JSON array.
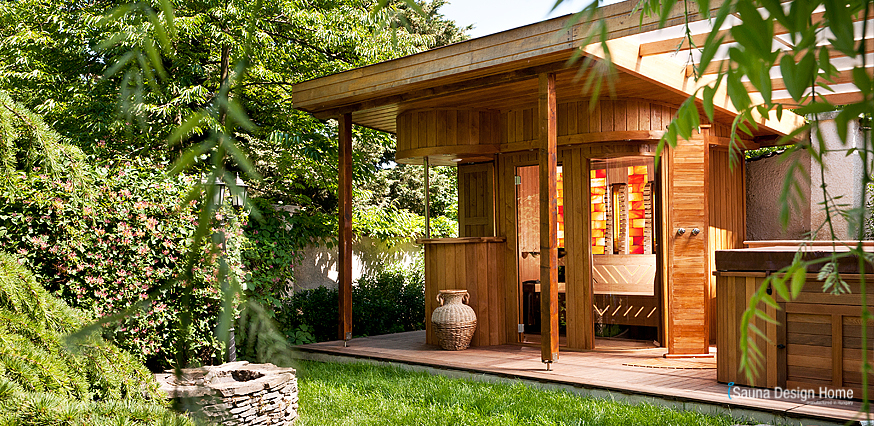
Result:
[{"x": 238, "y": 200}]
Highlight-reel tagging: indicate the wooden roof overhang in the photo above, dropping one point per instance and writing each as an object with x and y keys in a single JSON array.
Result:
[{"x": 501, "y": 71}]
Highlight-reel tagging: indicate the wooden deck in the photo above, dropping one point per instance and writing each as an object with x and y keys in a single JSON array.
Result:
[{"x": 601, "y": 373}]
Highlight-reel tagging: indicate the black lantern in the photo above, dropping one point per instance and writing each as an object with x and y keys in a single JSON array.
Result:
[
  {"x": 221, "y": 188},
  {"x": 239, "y": 200}
]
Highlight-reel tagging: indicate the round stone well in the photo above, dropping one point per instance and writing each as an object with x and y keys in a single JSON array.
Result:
[{"x": 236, "y": 393}]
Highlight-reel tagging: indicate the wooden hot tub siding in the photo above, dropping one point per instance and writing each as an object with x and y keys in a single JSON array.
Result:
[{"x": 817, "y": 342}]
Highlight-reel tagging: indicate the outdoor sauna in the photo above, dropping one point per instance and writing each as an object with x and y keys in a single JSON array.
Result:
[
  {"x": 571, "y": 227},
  {"x": 612, "y": 204}
]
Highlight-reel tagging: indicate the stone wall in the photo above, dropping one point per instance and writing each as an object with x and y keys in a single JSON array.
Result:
[
  {"x": 764, "y": 180},
  {"x": 840, "y": 173},
  {"x": 236, "y": 393}
]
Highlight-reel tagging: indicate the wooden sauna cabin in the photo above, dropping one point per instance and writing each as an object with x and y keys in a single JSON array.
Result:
[{"x": 568, "y": 226}]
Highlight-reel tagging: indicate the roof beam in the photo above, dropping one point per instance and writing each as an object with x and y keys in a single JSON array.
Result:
[
  {"x": 667, "y": 73},
  {"x": 777, "y": 83},
  {"x": 682, "y": 43},
  {"x": 445, "y": 90},
  {"x": 715, "y": 66}
]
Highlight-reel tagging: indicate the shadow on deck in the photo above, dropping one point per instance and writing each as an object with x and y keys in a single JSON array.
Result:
[{"x": 617, "y": 372}]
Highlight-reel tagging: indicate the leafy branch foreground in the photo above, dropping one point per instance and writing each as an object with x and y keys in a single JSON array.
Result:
[
  {"x": 361, "y": 394},
  {"x": 48, "y": 378}
]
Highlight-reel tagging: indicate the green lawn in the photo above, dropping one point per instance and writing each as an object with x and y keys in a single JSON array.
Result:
[{"x": 360, "y": 394}]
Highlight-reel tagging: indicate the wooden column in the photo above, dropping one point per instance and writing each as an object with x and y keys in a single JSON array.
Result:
[
  {"x": 548, "y": 220},
  {"x": 344, "y": 257}
]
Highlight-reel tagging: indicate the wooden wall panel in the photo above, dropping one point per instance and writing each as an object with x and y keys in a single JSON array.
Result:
[
  {"x": 474, "y": 265},
  {"x": 727, "y": 217},
  {"x": 734, "y": 293},
  {"x": 444, "y": 134},
  {"x": 476, "y": 200},
  {"x": 688, "y": 281},
  {"x": 578, "y": 272},
  {"x": 821, "y": 337},
  {"x": 576, "y": 118}
]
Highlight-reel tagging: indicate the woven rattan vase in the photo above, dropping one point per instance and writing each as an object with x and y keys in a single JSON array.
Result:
[{"x": 453, "y": 321}]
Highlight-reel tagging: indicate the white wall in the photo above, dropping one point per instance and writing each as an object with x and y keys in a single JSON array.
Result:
[{"x": 319, "y": 264}]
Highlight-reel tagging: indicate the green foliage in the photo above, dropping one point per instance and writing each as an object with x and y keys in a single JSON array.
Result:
[
  {"x": 301, "y": 335},
  {"x": 393, "y": 225},
  {"x": 28, "y": 144},
  {"x": 196, "y": 70},
  {"x": 360, "y": 394},
  {"x": 389, "y": 301},
  {"x": 315, "y": 308},
  {"x": 49, "y": 378},
  {"x": 111, "y": 251},
  {"x": 274, "y": 244},
  {"x": 391, "y": 206}
]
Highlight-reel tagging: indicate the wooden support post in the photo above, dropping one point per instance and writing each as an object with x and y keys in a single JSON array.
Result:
[
  {"x": 427, "y": 199},
  {"x": 548, "y": 220},
  {"x": 344, "y": 258}
]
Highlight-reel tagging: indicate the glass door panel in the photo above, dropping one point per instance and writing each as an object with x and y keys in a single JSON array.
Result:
[{"x": 623, "y": 255}]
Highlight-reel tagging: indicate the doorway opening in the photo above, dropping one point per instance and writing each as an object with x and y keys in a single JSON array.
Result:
[
  {"x": 528, "y": 237},
  {"x": 625, "y": 281}
]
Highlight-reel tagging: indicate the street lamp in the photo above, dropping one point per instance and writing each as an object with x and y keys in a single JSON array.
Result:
[{"x": 238, "y": 200}]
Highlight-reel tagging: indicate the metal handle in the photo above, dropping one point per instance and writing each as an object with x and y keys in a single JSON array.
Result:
[
  {"x": 681, "y": 231},
  {"x": 440, "y": 298},
  {"x": 695, "y": 231}
]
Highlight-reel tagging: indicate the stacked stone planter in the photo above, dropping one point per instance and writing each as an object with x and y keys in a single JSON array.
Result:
[{"x": 236, "y": 393}]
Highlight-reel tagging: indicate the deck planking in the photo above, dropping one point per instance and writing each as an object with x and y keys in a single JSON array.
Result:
[{"x": 590, "y": 371}]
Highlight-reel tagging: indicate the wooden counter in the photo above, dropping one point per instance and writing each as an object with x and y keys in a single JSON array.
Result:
[{"x": 475, "y": 264}]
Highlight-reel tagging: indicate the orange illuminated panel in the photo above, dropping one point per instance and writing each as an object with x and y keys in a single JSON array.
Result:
[
  {"x": 559, "y": 186},
  {"x": 598, "y": 187},
  {"x": 637, "y": 178}
]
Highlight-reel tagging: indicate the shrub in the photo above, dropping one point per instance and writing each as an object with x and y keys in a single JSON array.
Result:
[
  {"x": 107, "y": 250},
  {"x": 273, "y": 244},
  {"x": 46, "y": 378},
  {"x": 389, "y": 301}
]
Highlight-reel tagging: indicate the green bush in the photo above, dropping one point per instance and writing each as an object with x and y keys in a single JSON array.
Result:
[
  {"x": 49, "y": 378},
  {"x": 273, "y": 244},
  {"x": 106, "y": 250},
  {"x": 390, "y": 301}
]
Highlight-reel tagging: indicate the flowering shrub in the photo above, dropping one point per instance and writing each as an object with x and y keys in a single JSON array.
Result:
[{"x": 107, "y": 250}]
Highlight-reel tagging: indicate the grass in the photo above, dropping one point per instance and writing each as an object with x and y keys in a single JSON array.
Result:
[{"x": 361, "y": 394}]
